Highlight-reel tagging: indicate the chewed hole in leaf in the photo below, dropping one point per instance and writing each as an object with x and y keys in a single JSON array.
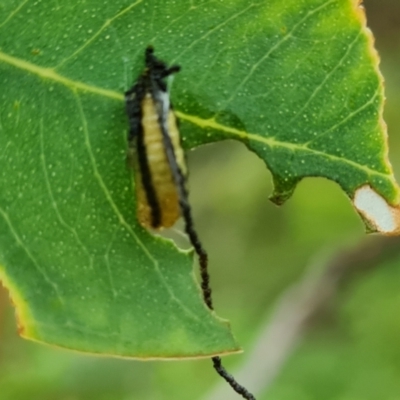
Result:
[{"x": 375, "y": 209}]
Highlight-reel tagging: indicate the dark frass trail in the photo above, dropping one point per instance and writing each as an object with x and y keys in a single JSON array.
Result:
[{"x": 155, "y": 153}]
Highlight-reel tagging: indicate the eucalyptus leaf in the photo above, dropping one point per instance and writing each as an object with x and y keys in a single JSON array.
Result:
[{"x": 296, "y": 81}]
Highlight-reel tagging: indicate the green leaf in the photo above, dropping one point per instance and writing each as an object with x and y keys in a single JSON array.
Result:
[{"x": 297, "y": 81}]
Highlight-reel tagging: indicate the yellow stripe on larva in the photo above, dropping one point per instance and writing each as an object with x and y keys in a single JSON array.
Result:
[{"x": 161, "y": 175}]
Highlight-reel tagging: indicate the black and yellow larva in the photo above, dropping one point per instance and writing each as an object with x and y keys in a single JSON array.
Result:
[
  {"x": 153, "y": 130},
  {"x": 157, "y": 157}
]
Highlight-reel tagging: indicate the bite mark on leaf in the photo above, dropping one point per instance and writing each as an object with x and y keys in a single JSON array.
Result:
[{"x": 383, "y": 217}]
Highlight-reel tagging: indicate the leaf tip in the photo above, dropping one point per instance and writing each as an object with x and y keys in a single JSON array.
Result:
[
  {"x": 378, "y": 214},
  {"x": 283, "y": 189}
]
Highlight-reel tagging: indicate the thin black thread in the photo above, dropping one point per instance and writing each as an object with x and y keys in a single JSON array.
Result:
[
  {"x": 198, "y": 248},
  {"x": 200, "y": 251},
  {"x": 231, "y": 380}
]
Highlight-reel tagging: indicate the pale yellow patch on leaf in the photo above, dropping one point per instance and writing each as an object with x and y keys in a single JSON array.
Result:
[
  {"x": 383, "y": 217},
  {"x": 22, "y": 311}
]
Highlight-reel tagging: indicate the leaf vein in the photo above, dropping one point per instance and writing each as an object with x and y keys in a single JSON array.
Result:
[
  {"x": 211, "y": 31},
  {"x": 53, "y": 200},
  {"x": 30, "y": 255},
  {"x": 272, "y": 49},
  {"x": 326, "y": 78},
  {"x": 105, "y": 25},
  {"x": 286, "y": 77},
  {"x": 344, "y": 120},
  {"x": 51, "y": 74},
  {"x": 13, "y": 13},
  {"x": 271, "y": 142},
  {"x": 107, "y": 260}
]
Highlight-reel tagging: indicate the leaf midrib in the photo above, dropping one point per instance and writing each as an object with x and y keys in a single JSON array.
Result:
[{"x": 210, "y": 123}]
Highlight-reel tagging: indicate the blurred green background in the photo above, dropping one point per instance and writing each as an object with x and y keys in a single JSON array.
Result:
[{"x": 351, "y": 348}]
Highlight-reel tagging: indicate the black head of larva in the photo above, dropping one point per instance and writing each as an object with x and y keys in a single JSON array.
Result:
[
  {"x": 152, "y": 78},
  {"x": 150, "y": 81},
  {"x": 156, "y": 69}
]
